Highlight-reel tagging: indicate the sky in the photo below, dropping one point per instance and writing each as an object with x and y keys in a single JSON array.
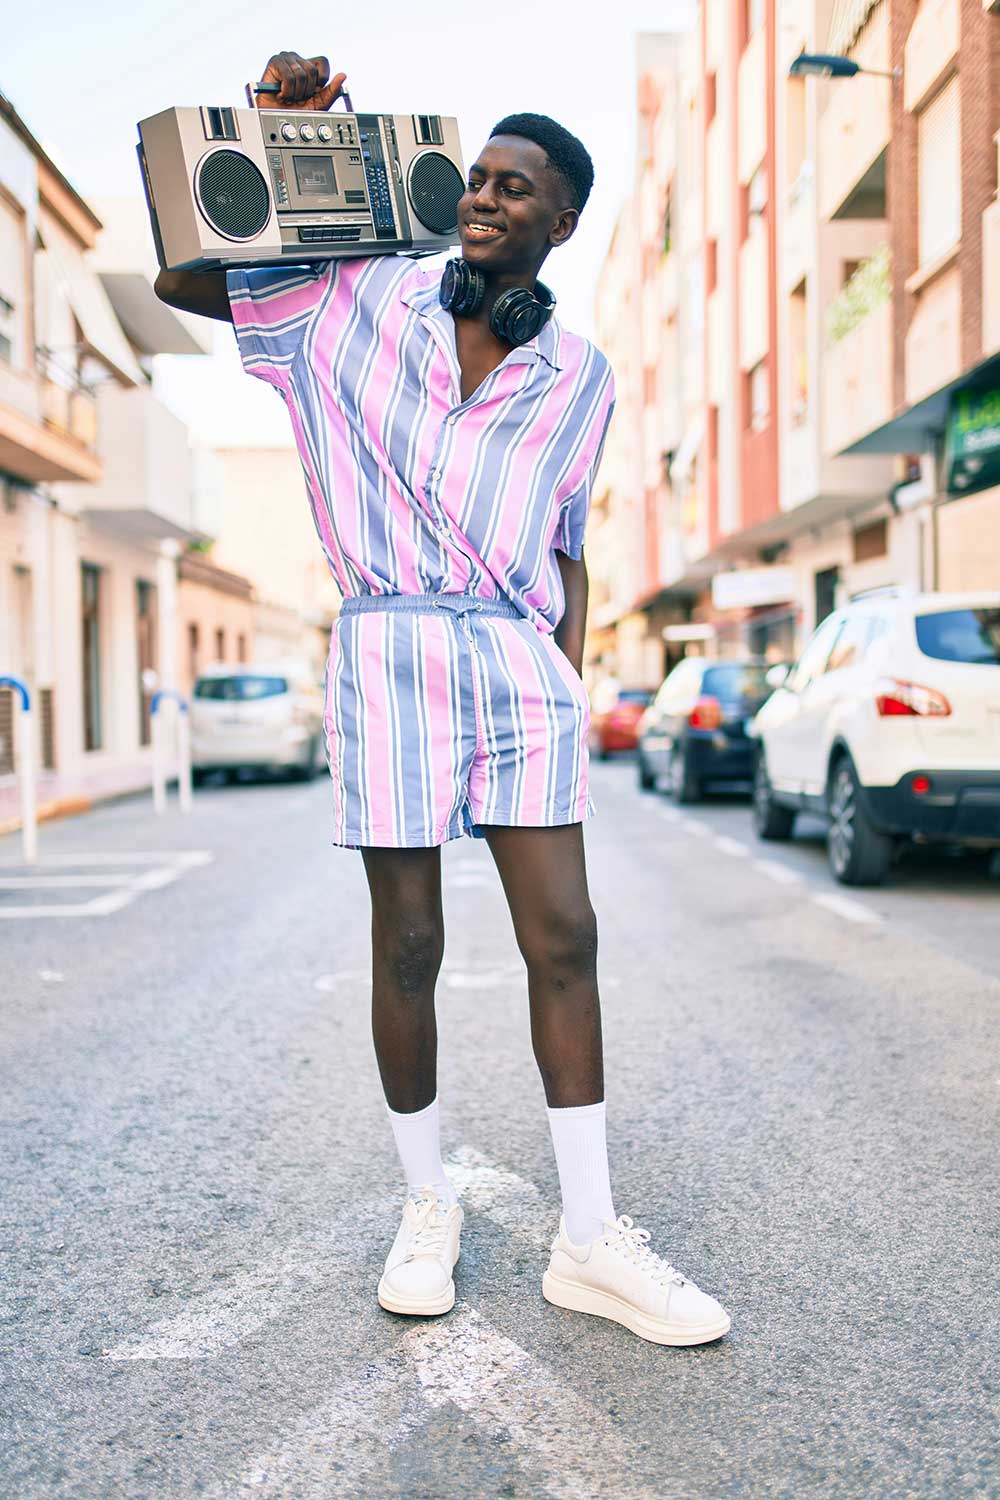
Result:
[{"x": 84, "y": 76}]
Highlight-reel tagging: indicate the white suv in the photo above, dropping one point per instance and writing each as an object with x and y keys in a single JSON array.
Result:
[{"x": 889, "y": 726}]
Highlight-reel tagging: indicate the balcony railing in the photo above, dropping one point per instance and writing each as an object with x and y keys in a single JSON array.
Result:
[{"x": 68, "y": 406}]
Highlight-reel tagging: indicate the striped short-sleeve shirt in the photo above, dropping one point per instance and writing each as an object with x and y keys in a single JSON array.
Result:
[{"x": 412, "y": 489}]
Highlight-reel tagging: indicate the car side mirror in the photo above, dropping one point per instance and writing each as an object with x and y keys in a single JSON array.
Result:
[{"x": 777, "y": 676}]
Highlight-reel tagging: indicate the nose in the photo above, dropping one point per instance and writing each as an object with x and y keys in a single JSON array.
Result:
[{"x": 484, "y": 197}]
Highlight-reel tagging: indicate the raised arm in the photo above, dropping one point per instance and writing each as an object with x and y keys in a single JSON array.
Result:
[{"x": 305, "y": 84}]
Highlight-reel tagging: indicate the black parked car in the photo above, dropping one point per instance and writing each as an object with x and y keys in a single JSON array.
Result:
[{"x": 695, "y": 729}]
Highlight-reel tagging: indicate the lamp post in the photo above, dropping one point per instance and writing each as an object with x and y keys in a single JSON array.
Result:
[{"x": 832, "y": 65}]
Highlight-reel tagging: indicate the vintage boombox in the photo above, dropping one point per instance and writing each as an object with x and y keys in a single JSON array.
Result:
[{"x": 248, "y": 187}]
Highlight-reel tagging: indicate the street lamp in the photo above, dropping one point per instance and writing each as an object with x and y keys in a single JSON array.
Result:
[{"x": 832, "y": 65}]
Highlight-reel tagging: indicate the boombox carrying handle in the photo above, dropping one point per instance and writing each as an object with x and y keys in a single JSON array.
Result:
[{"x": 253, "y": 89}]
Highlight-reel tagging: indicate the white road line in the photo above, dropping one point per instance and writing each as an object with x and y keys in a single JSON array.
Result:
[
  {"x": 726, "y": 845},
  {"x": 123, "y": 857},
  {"x": 852, "y": 911},
  {"x": 700, "y": 830},
  {"x": 55, "y": 882},
  {"x": 510, "y": 1200},
  {"x": 464, "y": 1361},
  {"x": 126, "y": 888},
  {"x": 776, "y": 871},
  {"x": 227, "y": 1314}
]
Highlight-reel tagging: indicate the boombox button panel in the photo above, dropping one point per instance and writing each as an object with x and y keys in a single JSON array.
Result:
[{"x": 341, "y": 232}]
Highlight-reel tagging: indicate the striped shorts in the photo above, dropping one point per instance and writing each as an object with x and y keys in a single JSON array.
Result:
[{"x": 445, "y": 712}]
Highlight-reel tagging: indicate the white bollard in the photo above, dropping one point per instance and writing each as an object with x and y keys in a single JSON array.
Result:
[{"x": 26, "y": 761}]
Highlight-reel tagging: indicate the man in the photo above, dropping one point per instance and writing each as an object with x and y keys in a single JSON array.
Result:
[{"x": 449, "y": 463}]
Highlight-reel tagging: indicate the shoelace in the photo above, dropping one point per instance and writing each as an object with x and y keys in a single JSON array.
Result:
[
  {"x": 634, "y": 1243},
  {"x": 430, "y": 1232}
]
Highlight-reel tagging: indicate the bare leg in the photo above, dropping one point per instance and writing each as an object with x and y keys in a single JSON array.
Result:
[
  {"x": 407, "y": 948},
  {"x": 544, "y": 877}
]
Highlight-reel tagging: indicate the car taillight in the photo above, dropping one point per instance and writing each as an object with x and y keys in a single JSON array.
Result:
[
  {"x": 706, "y": 714},
  {"x": 909, "y": 699}
]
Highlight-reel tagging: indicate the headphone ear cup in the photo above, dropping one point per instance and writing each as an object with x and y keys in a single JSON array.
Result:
[
  {"x": 518, "y": 316},
  {"x": 462, "y": 288}
]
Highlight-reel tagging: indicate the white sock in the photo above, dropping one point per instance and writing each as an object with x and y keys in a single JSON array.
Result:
[
  {"x": 580, "y": 1142},
  {"x": 418, "y": 1142}
]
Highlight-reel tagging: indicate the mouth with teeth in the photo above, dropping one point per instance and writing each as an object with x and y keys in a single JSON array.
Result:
[{"x": 480, "y": 230}]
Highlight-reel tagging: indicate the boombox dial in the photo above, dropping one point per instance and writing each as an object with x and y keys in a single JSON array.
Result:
[{"x": 231, "y": 187}]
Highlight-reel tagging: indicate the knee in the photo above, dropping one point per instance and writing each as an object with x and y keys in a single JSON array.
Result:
[
  {"x": 562, "y": 949},
  {"x": 410, "y": 957}
]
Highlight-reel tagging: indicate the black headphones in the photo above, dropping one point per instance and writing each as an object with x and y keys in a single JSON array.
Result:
[{"x": 517, "y": 316}]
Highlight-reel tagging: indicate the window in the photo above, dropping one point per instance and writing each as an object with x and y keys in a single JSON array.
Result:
[
  {"x": 798, "y": 339},
  {"x": 13, "y": 282},
  {"x": 241, "y": 647},
  {"x": 825, "y": 592},
  {"x": 758, "y": 397},
  {"x": 194, "y": 651},
  {"x": 812, "y": 663},
  {"x": 969, "y": 635},
  {"x": 939, "y": 176},
  {"x": 240, "y": 689},
  {"x": 710, "y": 98},
  {"x": 90, "y": 583},
  {"x": 851, "y": 644},
  {"x": 145, "y": 630},
  {"x": 711, "y": 266},
  {"x": 220, "y": 645},
  {"x": 871, "y": 541}
]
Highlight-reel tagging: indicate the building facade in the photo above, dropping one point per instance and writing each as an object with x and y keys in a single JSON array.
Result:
[{"x": 820, "y": 398}]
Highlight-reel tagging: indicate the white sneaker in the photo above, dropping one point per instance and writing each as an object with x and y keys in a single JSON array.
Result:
[
  {"x": 417, "y": 1278},
  {"x": 619, "y": 1277}
]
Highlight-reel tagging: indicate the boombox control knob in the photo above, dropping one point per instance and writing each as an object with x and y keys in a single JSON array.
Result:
[
  {"x": 306, "y": 132},
  {"x": 288, "y": 131},
  {"x": 325, "y": 133}
]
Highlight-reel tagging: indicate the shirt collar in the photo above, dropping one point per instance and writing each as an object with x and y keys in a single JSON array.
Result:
[{"x": 421, "y": 293}]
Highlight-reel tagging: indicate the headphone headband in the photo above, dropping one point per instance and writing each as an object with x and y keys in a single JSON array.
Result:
[{"x": 517, "y": 316}]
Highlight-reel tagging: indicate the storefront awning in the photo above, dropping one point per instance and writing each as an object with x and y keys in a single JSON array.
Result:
[{"x": 920, "y": 427}]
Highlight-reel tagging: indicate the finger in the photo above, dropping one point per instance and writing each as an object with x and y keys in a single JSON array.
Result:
[
  {"x": 297, "y": 82},
  {"x": 327, "y": 95}
]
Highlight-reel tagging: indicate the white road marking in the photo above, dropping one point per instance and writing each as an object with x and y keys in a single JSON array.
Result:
[
  {"x": 510, "y": 1200},
  {"x": 776, "y": 871},
  {"x": 125, "y": 887},
  {"x": 217, "y": 1319},
  {"x": 483, "y": 979},
  {"x": 726, "y": 845},
  {"x": 328, "y": 982},
  {"x": 852, "y": 911},
  {"x": 694, "y": 826},
  {"x": 465, "y": 1362},
  {"x": 51, "y": 976},
  {"x": 122, "y": 857}
]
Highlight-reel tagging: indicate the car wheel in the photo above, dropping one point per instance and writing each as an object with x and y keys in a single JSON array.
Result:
[
  {"x": 770, "y": 820},
  {"x": 647, "y": 781},
  {"x": 685, "y": 788},
  {"x": 858, "y": 853}
]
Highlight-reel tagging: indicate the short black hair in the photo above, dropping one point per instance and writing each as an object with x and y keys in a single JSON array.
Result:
[{"x": 566, "y": 155}]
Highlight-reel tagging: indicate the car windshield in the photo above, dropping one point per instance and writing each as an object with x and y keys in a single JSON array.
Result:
[
  {"x": 240, "y": 689},
  {"x": 737, "y": 680},
  {"x": 969, "y": 635}
]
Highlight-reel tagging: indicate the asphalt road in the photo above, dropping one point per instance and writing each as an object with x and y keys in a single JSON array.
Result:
[{"x": 197, "y": 1186}]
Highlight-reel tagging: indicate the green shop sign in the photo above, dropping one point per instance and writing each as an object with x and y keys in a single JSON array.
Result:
[{"x": 972, "y": 442}]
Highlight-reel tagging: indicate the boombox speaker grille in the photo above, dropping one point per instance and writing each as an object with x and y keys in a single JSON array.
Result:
[
  {"x": 233, "y": 195},
  {"x": 435, "y": 186}
]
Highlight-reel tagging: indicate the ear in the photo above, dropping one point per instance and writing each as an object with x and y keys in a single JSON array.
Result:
[{"x": 564, "y": 226}]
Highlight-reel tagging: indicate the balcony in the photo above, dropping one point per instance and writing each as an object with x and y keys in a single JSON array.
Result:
[
  {"x": 716, "y": 216},
  {"x": 47, "y": 425},
  {"x": 933, "y": 339},
  {"x": 931, "y": 48},
  {"x": 856, "y": 379},
  {"x": 752, "y": 106},
  {"x": 717, "y": 382},
  {"x": 147, "y": 485},
  {"x": 854, "y": 129}
]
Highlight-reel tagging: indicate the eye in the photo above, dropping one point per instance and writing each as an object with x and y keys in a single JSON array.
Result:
[{"x": 514, "y": 192}]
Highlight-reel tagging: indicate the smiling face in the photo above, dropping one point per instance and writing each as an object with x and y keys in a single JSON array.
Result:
[{"x": 515, "y": 208}]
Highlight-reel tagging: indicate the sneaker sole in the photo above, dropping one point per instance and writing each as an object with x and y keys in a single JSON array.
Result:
[
  {"x": 412, "y": 1307},
  {"x": 576, "y": 1298}
]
